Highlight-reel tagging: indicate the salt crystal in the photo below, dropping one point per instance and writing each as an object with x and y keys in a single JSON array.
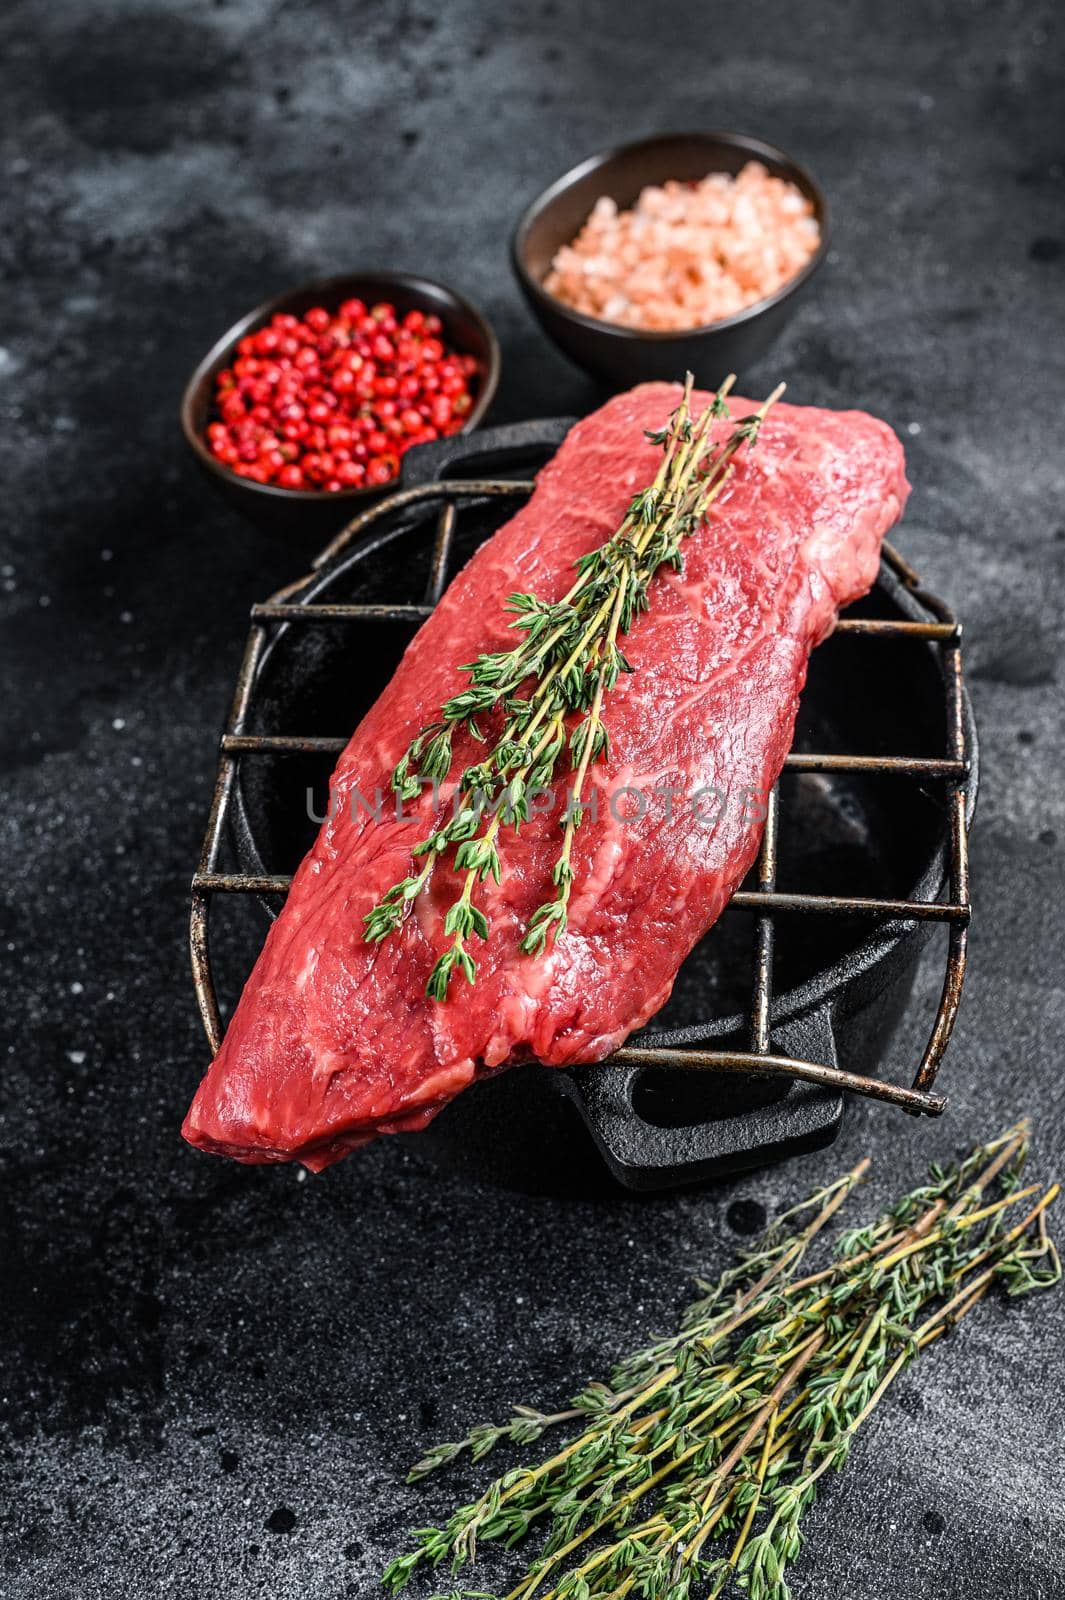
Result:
[{"x": 646, "y": 267}]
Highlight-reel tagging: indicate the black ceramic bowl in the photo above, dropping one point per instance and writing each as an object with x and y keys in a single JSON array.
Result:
[
  {"x": 630, "y": 355},
  {"x": 312, "y": 512}
]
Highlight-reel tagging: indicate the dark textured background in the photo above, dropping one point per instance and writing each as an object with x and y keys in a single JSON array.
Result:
[{"x": 214, "y": 1377}]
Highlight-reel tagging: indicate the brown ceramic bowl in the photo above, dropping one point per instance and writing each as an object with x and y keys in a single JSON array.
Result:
[
  {"x": 624, "y": 356},
  {"x": 312, "y": 512}
]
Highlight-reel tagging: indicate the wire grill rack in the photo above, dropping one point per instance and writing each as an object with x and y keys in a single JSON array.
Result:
[{"x": 767, "y": 903}]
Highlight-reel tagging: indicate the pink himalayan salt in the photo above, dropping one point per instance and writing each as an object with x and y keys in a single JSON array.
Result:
[{"x": 687, "y": 253}]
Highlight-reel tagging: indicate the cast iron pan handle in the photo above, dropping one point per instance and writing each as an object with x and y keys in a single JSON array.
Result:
[
  {"x": 427, "y": 463},
  {"x": 643, "y": 1155}
]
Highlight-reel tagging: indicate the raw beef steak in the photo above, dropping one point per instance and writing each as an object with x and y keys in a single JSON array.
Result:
[{"x": 334, "y": 1040}]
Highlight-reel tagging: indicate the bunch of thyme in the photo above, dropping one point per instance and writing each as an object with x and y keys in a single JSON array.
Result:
[
  {"x": 695, "y": 1463},
  {"x": 567, "y": 663}
]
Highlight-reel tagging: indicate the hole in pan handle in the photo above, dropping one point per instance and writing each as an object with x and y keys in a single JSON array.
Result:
[
  {"x": 643, "y": 1155},
  {"x": 429, "y": 463}
]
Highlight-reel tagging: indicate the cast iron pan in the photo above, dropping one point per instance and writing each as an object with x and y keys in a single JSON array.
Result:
[{"x": 841, "y": 985}]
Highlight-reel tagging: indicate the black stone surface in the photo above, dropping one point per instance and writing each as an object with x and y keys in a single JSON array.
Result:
[{"x": 214, "y": 1378}]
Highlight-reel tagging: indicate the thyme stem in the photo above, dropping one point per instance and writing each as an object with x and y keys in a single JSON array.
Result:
[
  {"x": 570, "y": 659},
  {"x": 725, "y": 1430}
]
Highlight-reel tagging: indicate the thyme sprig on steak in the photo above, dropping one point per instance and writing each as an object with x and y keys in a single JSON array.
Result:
[
  {"x": 566, "y": 664},
  {"x": 692, "y": 1468}
]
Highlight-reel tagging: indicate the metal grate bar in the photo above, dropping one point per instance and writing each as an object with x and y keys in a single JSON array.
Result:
[
  {"x": 445, "y": 533},
  {"x": 199, "y": 914},
  {"x": 763, "y": 933},
  {"x": 782, "y": 1066},
  {"x": 890, "y": 628},
  {"x": 242, "y": 883},
  {"x": 912, "y": 766},
  {"x": 957, "y": 950},
  {"x": 851, "y": 906},
  {"x": 316, "y": 612},
  {"x": 264, "y": 744},
  {"x": 766, "y": 901},
  {"x": 958, "y": 885}
]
